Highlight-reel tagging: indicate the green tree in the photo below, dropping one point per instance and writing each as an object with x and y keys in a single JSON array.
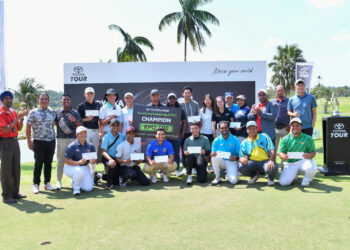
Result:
[
  {"x": 283, "y": 65},
  {"x": 131, "y": 51},
  {"x": 191, "y": 23},
  {"x": 321, "y": 91},
  {"x": 27, "y": 93}
]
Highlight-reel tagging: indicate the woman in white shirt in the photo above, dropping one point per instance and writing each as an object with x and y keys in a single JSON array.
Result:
[{"x": 205, "y": 114}]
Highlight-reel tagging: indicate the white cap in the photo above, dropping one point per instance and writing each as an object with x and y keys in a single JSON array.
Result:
[
  {"x": 299, "y": 81},
  {"x": 172, "y": 94},
  {"x": 89, "y": 90},
  {"x": 295, "y": 119},
  {"x": 264, "y": 91},
  {"x": 128, "y": 94},
  {"x": 80, "y": 129}
]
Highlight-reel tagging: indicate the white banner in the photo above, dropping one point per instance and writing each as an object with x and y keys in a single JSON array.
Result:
[
  {"x": 2, "y": 47},
  {"x": 304, "y": 72}
]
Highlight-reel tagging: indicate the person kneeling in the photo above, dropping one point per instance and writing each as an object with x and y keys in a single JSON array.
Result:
[
  {"x": 302, "y": 143},
  {"x": 156, "y": 153},
  {"x": 257, "y": 155},
  {"x": 196, "y": 160},
  {"x": 77, "y": 167}
]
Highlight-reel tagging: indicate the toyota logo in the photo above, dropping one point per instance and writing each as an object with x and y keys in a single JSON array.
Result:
[
  {"x": 339, "y": 126},
  {"x": 78, "y": 69}
]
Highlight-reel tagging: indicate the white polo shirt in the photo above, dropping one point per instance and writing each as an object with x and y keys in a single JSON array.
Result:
[
  {"x": 107, "y": 110},
  {"x": 124, "y": 150}
]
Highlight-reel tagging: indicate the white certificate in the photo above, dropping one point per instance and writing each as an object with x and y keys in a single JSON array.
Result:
[
  {"x": 90, "y": 156},
  {"x": 235, "y": 124},
  {"x": 223, "y": 155},
  {"x": 295, "y": 155},
  {"x": 194, "y": 150},
  {"x": 161, "y": 158},
  {"x": 193, "y": 119},
  {"x": 137, "y": 156},
  {"x": 115, "y": 112},
  {"x": 91, "y": 112}
]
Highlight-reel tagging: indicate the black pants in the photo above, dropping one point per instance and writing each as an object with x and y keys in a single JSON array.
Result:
[
  {"x": 133, "y": 173},
  {"x": 113, "y": 174},
  {"x": 258, "y": 167},
  {"x": 43, "y": 155},
  {"x": 182, "y": 149},
  {"x": 200, "y": 164},
  {"x": 308, "y": 131}
]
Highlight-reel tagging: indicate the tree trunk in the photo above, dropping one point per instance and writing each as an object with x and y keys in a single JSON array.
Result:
[{"x": 185, "y": 48}]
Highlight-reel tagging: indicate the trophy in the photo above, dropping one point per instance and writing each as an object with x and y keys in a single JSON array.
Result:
[{"x": 335, "y": 105}]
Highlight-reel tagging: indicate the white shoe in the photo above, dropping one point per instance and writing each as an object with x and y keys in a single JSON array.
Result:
[
  {"x": 194, "y": 171},
  {"x": 270, "y": 183},
  {"x": 189, "y": 180},
  {"x": 58, "y": 185},
  {"x": 305, "y": 183},
  {"x": 76, "y": 192},
  {"x": 154, "y": 179},
  {"x": 177, "y": 173},
  {"x": 48, "y": 186},
  {"x": 35, "y": 189},
  {"x": 216, "y": 181},
  {"x": 253, "y": 179},
  {"x": 184, "y": 171},
  {"x": 165, "y": 177}
]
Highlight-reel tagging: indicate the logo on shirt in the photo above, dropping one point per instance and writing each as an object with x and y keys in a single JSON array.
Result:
[
  {"x": 261, "y": 143},
  {"x": 302, "y": 143},
  {"x": 155, "y": 151},
  {"x": 230, "y": 144},
  {"x": 164, "y": 149},
  {"x": 78, "y": 75}
]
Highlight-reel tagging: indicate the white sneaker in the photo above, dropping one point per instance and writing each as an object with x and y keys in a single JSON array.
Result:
[
  {"x": 58, "y": 185},
  {"x": 270, "y": 183},
  {"x": 177, "y": 173},
  {"x": 189, "y": 180},
  {"x": 165, "y": 177},
  {"x": 48, "y": 186},
  {"x": 184, "y": 171},
  {"x": 216, "y": 181},
  {"x": 305, "y": 183},
  {"x": 253, "y": 179},
  {"x": 76, "y": 192},
  {"x": 35, "y": 189},
  {"x": 154, "y": 179},
  {"x": 194, "y": 171}
]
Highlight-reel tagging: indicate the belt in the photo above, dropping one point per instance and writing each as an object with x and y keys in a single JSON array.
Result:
[{"x": 8, "y": 138}]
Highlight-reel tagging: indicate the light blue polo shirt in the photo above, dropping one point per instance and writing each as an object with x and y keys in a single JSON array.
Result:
[
  {"x": 304, "y": 105},
  {"x": 231, "y": 144},
  {"x": 262, "y": 140},
  {"x": 108, "y": 140},
  {"x": 154, "y": 149},
  {"x": 234, "y": 108}
]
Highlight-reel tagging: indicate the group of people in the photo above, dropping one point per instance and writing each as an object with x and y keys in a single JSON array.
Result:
[{"x": 222, "y": 136}]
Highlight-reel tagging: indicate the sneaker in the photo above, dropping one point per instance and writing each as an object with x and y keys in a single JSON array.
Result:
[
  {"x": 184, "y": 171},
  {"x": 97, "y": 178},
  {"x": 154, "y": 179},
  {"x": 253, "y": 179},
  {"x": 189, "y": 180},
  {"x": 122, "y": 185},
  {"x": 177, "y": 173},
  {"x": 58, "y": 185},
  {"x": 194, "y": 171},
  {"x": 165, "y": 177},
  {"x": 109, "y": 186},
  {"x": 35, "y": 189},
  {"x": 76, "y": 192},
  {"x": 216, "y": 181},
  {"x": 305, "y": 183},
  {"x": 48, "y": 186},
  {"x": 270, "y": 183}
]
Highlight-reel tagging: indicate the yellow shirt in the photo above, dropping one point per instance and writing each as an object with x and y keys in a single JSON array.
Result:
[{"x": 258, "y": 153}]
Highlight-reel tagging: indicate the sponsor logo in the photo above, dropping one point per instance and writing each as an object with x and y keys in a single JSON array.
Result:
[
  {"x": 78, "y": 75},
  {"x": 339, "y": 126},
  {"x": 339, "y": 131}
]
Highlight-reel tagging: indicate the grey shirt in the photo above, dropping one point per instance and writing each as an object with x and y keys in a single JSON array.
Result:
[
  {"x": 191, "y": 109},
  {"x": 42, "y": 122}
]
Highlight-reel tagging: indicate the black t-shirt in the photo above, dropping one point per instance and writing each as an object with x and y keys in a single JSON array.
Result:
[
  {"x": 93, "y": 124},
  {"x": 225, "y": 116}
]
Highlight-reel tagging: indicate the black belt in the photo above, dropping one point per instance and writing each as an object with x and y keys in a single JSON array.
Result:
[{"x": 8, "y": 138}]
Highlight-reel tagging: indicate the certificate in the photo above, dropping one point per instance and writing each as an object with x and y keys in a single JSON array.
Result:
[
  {"x": 235, "y": 124},
  {"x": 90, "y": 156},
  {"x": 91, "y": 112},
  {"x": 223, "y": 155},
  {"x": 161, "y": 158},
  {"x": 295, "y": 155},
  {"x": 194, "y": 150},
  {"x": 115, "y": 112},
  {"x": 137, "y": 156},
  {"x": 193, "y": 119}
]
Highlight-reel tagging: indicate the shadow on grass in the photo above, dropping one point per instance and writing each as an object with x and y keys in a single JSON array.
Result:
[
  {"x": 67, "y": 193},
  {"x": 316, "y": 186},
  {"x": 31, "y": 207}
]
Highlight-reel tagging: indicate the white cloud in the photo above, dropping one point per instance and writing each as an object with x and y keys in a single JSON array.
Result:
[
  {"x": 346, "y": 55},
  {"x": 273, "y": 42},
  {"x": 341, "y": 36},
  {"x": 323, "y": 4}
]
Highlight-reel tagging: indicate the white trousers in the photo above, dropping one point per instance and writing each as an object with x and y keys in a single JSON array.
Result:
[
  {"x": 229, "y": 166},
  {"x": 93, "y": 137},
  {"x": 291, "y": 170},
  {"x": 81, "y": 176}
]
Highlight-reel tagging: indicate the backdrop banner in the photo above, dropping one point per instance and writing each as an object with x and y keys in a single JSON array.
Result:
[{"x": 304, "y": 72}]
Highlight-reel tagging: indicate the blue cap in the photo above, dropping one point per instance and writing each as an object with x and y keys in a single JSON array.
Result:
[
  {"x": 228, "y": 94},
  {"x": 4, "y": 94},
  {"x": 250, "y": 123}
]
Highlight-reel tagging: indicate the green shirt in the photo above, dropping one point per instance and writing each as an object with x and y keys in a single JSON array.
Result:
[
  {"x": 201, "y": 141},
  {"x": 302, "y": 143}
]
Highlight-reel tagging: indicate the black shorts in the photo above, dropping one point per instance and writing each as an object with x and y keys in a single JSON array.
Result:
[{"x": 210, "y": 137}]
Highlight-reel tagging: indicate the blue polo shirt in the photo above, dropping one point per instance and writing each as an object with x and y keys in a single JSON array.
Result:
[
  {"x": 262, "y": 141},
  {"x": 304, "y": 105},
  {"x": 75, "y": 150},
  {"x": 234, "y": 108},
  {"x": 231, "y": 144},
  {"x": 108, "y": 139},
  {"x": 154, "y": 149}
]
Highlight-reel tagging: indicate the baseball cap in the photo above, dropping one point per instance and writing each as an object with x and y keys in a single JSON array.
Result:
[
  {"x": 299, "y": 81},
  {"x": 241, "y": 97},
  {"x": 130, "y": 128},
  {"x": 113, "y": 121},
  {"x": 80, "y": 129},
  {"x": 171, "y": 94},
  {"x": 111, "y": 91},
  {"x": 295, "y": 119},
  {"x": 154, "y": 91},
  {"x": 251, "y": 123},
  {"x": 228, "y": 94},
  {"x": 89, "y": 90},
  {"x": 128, "y": 94},
  {"x": 263, "y": 90}
]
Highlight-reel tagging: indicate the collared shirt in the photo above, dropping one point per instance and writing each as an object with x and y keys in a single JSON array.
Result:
[
  {"x": 108, "y": 139},
  {"x": 242, "y": 116},
  {"x": 206, "y": 121},
  {"x": 127, "y": 116},
  {"x": 75, "y": 150},
  {"x": 200, "y": 141},
  {"x": 230, "y": 144},
  {"x": 262, "y": 141},
  {"x": 124, "y": 150},
  {"x": 42, "y": 122},
  {"x": 107, "y": 110},
  {"x": 258, "y": 118},
  {"x": 6, "y": 118},
  {"x": 234, "y": 108},
  {"x": 282, "y": 118},
  {"x": 154, "y": 149},
  {"x": 304, "y": 106},
  {"x": 302, "y": 143},
  {"x": 191, "y": 109},
  {"x": 225, "y": 116},
  {"x": 82, "y": 107},
  {"x": 63, "y": 114}
]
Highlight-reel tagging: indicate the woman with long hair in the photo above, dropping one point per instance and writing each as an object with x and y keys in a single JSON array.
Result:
[
  {"x": 220, "y": 113},
  {"x": 205, "y": 114}
]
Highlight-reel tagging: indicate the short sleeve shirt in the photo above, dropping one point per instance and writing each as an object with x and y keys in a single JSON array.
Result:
[
  {"x": 154, "y": 149},
  {"x": 6, "y": 118},
  {"x": 127, "y": 116},
  {"x": 106, "y": 111},
  {"x": 230, "y": 144},
  {"x": 234, "y": 108},
  {"x": 302, "y": 143},
  {"x": 206, "y": 121},
  {"x": 75, "y": 150},
  {"x": 42, "y": 122},
  {"x": 262, "y": 140},
  {"x": 242, "y": 116},
  {"x": 64, "y": 114},
  {"x": 108, "y": 140},
  {"x": 304, "y": 105},
  {"x": 124, "y": 150},
  {"x": 82, "y": 107}
]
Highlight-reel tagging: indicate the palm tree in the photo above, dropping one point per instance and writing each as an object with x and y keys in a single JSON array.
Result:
[
  {"x": 191, "y": 22},
  {"x": 28, "y": 93},
  {"x": 283, "y": 65},
  {"x": 131, "y": 51}
]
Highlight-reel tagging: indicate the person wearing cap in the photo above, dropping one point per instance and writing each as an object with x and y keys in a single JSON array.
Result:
[
  {"x": 229, "y": 98},
  {"x": 109, "y": 145},
  {"x": 155, "y": 97},
  {"x": 227, "y": 143},
  {"x": 109, "y": 111},
  {"x": 130, "y": 169},
  {"x": 67, "y": 120},
  {"x": 257, "y": 155},
  {"x": 241, "y": 116},
  {"x": 160, "y": 147},
  {"x": 42, "y": 120},
  {"x": 282, "y": 118},
  {"x": 303, "y": 105},
  {"x": 76, "y": 166},
  {"x": 89, "y": 113},
  {"x": 172, "y": 103},
  {"x": 127, "y": 111},
  {"x": 264, "y": 114},
  {"x": 302, "y": 143},
  {"x": 10, "y": 154}
]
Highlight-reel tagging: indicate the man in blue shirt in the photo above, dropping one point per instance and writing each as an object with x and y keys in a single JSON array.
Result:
[
  {"x": 227, "y": 143},
  {"x": 77, "y": 166},
  {"x": 160, "y": 147},
  {"x": 303, "y": 105}
]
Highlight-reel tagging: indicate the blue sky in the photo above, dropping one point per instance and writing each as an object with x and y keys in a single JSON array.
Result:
[{"x": 41, "y": 35}]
